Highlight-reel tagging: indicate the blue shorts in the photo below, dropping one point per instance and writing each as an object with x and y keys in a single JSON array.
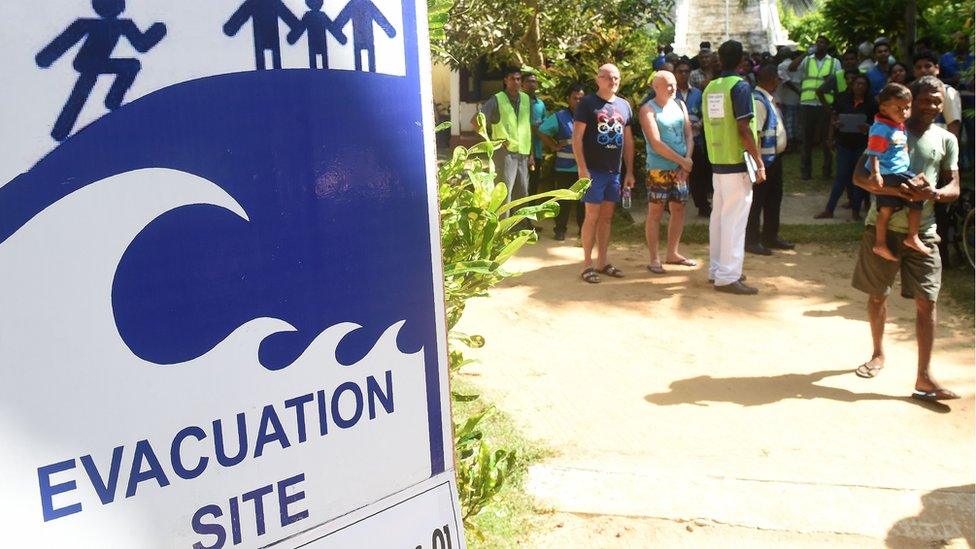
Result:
[
  {"x": 895, "y": 180},
  {"x": 604, "y": 187}
]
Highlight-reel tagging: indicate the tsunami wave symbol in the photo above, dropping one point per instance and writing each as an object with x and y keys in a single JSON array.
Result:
[{"x": 137, "y": 198}]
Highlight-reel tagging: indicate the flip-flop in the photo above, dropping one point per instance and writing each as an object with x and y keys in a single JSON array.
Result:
[
  {"x": 590, "y": 275},
  {"x": 866, "y": 371},
  {"x": 656, "y": 269},
  {"x": 610, "y": 270},
  {"x": 936, "y": 395},
  {"x": 684, "y": 262}
]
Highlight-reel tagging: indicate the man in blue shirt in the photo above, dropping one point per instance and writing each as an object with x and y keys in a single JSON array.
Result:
[
  {"x": 957, "y": 61},
  {"x": 556, "y": 132},
  {"x": 602, "y": 137},
  {"x": 878, "y": 75}
]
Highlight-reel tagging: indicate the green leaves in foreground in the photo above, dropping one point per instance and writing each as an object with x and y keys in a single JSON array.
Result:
[
  {"x": 479, "y": 233},
  {"x": 484, "y": 473},
  {"x": 479, "y": 229}
]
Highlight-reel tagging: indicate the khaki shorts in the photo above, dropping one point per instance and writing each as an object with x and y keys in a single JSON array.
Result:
[
  {"x": 921, "y": 275},
  {"x": 662, "y": 187}
]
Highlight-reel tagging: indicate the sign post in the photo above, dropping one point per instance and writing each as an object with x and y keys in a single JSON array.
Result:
[{"x": 221, "y": 306}]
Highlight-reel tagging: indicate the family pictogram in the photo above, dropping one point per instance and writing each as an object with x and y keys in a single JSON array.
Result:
[{"x": 265, "y": 15}]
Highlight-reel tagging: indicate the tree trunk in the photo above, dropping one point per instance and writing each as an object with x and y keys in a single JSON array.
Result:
[
  {"x": 911, "y": 26},
  {"x": 533, "y": 36}
]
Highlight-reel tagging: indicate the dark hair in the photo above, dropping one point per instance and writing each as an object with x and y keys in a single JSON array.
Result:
[
  {"x": 893, "y": 91},
  {"x": 926, "y": 84},
  {"x": 705, "y": 45},
  {"x": 908, "y": 72},
  {"x": 858, "y": 75},
  {"x": 853, "y": 71},
  {"x": 852, "y": 51},
  {"x": 768, "y": 70},
  {"x": 926, "y": 41},
  {"x": 682, "y": 61},
  {"x": 576, "y": 88},
  {"x": 927, "y": 54},
  {"x": 730, "y": 54},
  {"x": 510, "y": 70}
]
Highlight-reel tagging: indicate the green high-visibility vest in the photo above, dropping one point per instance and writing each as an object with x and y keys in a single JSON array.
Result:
[
  {"x": 814, "y": 79},
  {"x": 721, "y": 128},
  {"x": 841, "y": 81},
  {"x": 516, "y": 130}
]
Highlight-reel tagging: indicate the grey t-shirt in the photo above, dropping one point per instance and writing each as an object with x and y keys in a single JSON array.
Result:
[{"x": 931, "y": 153}]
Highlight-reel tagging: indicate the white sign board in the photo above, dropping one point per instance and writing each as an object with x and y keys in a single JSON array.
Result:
[{"x": 221, "y": 312}]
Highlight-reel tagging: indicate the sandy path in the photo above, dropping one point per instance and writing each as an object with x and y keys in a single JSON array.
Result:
[{"x": 655, "y": 391}]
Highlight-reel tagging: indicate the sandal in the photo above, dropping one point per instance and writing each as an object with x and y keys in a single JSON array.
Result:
[
  {"x": 590, "y": 275},
  {"x": 866, "y": 371},
  {"x": 610, "y": 270},
  {"x": 934, "y": 395},
  {"x": 684, "y": 262},
  {"x": 656, "y": 269}
]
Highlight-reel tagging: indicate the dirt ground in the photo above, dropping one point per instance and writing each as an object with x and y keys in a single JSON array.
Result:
[{"x": 681, "y": 416}]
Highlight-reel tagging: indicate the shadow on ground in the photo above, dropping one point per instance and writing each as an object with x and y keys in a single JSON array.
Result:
[
  {"x": 759, "y": 391},
  {"x": 813, "y": 271},
  {"x": 947, "y": 514}
]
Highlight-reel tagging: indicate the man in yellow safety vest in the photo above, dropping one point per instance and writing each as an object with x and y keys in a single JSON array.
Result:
[
  {"x": 508, "y": 117},
  {"x": 814, "y": 117}
]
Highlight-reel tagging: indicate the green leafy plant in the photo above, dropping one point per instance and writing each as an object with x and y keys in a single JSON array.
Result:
[
  {"x": 479, "y": 232},
  {"x": 438, "y": 12},
  {"x": 535, "y": 33},
  {"x": 850, "y": 22}
]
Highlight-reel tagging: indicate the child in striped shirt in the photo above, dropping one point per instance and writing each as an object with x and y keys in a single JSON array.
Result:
[{"x": 888, "y": 163}]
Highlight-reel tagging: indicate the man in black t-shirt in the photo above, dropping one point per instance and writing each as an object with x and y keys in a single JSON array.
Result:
[{"x": 601, "y": 136}]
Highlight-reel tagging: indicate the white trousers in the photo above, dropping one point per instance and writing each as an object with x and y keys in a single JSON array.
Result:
[{"x": 727, "y": 226}]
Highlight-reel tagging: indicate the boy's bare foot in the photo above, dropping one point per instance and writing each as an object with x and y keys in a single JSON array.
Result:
[
  {"x": 884, "y": 252},
  {"x": 915, "y": 243}
]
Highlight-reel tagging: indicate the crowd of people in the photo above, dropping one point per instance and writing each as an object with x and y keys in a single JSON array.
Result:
[{"x": 716, "y": 127}]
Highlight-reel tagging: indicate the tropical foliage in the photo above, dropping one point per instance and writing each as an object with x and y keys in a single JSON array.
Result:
[
  {"x": 850, "y": 22},
  {"x": 530, "y": 32}
]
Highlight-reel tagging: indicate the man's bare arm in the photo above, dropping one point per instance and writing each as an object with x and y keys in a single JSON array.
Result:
[
  {"x": 549, "y": 142},
  {"x": 954, "y": 128},
  {"x": 629, "y": 156},
  {"x": 862, "y": 178},
  {"x": 950, "y": 191},
  {"x": 578, "y": 129},
  {"x": 796, "y": 62}
]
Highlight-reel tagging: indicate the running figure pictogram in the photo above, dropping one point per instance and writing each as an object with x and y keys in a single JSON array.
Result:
[{"x": 95, "y": 58}]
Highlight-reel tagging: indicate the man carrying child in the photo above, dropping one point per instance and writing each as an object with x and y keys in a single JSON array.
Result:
[{"x": 933, "y": 154}]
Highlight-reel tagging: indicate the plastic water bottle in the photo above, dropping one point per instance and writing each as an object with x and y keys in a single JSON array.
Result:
[{"x": 625, "y": 199}]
